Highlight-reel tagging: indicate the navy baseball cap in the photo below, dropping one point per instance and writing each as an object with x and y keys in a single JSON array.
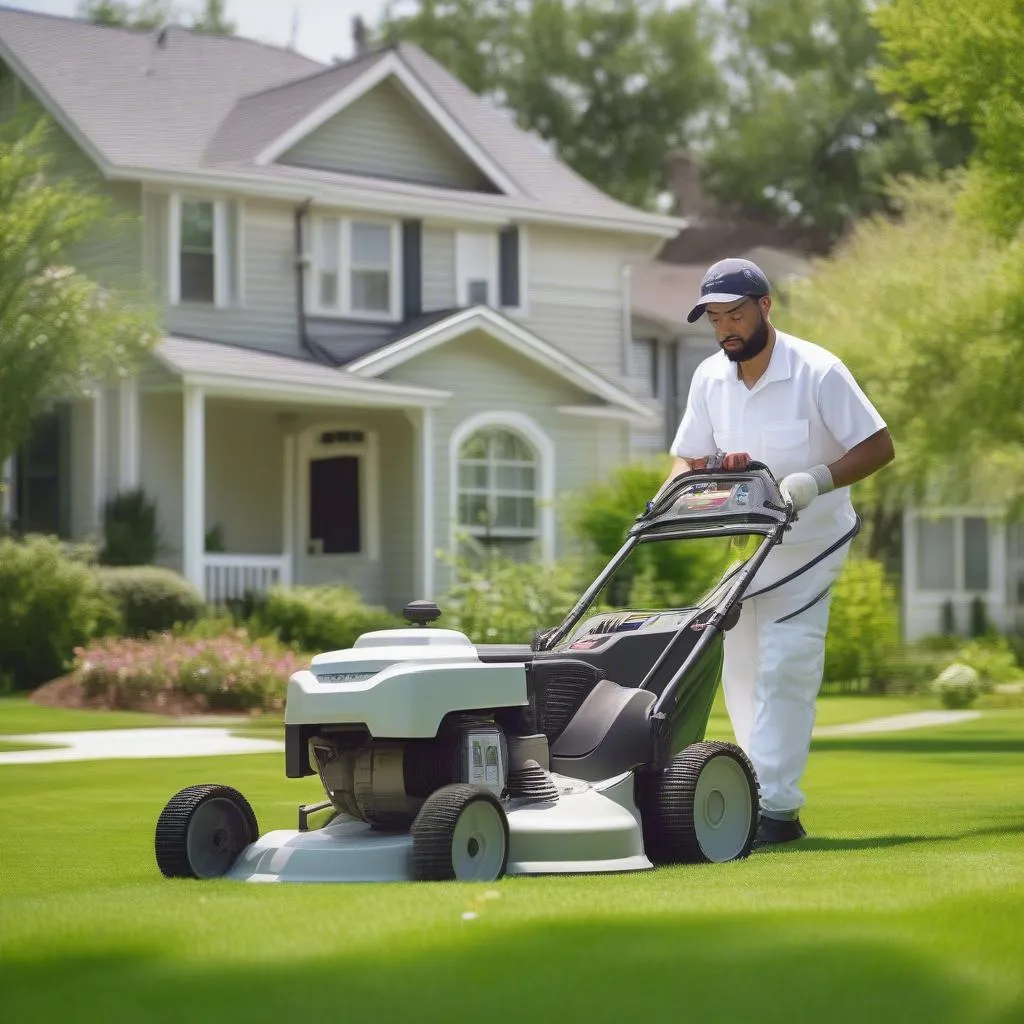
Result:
[{"x": 729, "y": 281}]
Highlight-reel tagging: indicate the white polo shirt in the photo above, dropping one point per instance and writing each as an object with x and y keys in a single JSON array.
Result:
[{"x": 805, "y": 410}]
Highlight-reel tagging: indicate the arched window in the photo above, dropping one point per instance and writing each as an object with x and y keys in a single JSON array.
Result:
[{"x": 498, "y": 487}]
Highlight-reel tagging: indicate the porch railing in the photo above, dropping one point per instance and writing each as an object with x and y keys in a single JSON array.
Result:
[{"x": 230, "y": 577}]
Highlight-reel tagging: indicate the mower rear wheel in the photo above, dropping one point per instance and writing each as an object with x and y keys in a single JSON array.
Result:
[
  {"x": 702, "y": 808},
  {"x": 202, "y": 830},
  {"x": 460, "y": 834}
]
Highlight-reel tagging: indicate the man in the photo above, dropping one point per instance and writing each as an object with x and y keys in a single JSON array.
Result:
[{"x": 792, "y": 405}]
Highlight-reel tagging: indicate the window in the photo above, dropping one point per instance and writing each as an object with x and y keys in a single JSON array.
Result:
[
  {"x": 976, "y": 554},
  {"x": 356, "y": 268},
  {"x": 204, "y": 259},
  {"x": 952, "y": 553},
  {"x": 936, "y": 565},
  {"x": 489, "y": 268},
  {"x": 197, "y": 256},
  {"x": 497, "y": 486}
]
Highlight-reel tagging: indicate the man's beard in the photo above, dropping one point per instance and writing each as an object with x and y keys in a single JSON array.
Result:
[{"x": 752, "y": 346}]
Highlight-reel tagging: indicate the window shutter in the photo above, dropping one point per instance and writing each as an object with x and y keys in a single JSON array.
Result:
[
  {"x": 412, "y": 268},
  {"x": 508, "y": 276}
]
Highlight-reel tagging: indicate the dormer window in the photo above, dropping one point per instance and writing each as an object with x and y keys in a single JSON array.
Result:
[{"x": 355, "y": 270}]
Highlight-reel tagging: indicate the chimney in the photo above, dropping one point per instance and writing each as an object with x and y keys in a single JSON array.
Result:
[
  {"x": 683, "y": 173},
  {"x": 359, "y": 36}
]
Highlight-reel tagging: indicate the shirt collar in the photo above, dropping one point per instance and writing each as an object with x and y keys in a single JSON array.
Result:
[{"x": 779, "y": 366}]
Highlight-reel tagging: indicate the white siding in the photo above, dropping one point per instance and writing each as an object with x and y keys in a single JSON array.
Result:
[
  {"x": 486, "y": 376},
  {"x": 384, "y": 135},
  {"x": 267, "y": 318}
]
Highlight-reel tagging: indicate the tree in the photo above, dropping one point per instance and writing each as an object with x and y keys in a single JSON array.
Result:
[
  {"x": 152, "y": 14},
  {"x": 806, "y": 139},
  {"x": 148, "y": 14},
  {"x": 927, "y": 310},
  {"x": 964, "y": 63},
  {"x": 59, "y": 329},
  {"x": 613, "y": 85}
]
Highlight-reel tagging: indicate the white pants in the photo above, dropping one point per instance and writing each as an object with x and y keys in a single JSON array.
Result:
[{"x": 773, "y": 671}]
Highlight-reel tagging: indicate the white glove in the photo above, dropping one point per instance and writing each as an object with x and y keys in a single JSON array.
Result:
[{"x": 802, "y": 488}]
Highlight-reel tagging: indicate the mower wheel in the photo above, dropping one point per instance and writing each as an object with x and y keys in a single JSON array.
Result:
[
  {"x": 202, "y": 830},
  {"x": 460, "y": 834},
  {"x": 702, "y": 808}
]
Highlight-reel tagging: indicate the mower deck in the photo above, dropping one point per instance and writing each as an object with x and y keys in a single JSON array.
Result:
[{"x": 592, "y": 828}]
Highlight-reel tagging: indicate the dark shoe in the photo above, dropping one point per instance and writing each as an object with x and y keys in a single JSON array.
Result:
[{"x": 772, "y": 832}]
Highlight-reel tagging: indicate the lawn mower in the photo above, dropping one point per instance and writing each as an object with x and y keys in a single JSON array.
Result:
[{"x": 580, "y": 752}]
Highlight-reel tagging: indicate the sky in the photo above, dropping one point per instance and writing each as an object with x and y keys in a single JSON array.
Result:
[{"x": 324, "y": 26}]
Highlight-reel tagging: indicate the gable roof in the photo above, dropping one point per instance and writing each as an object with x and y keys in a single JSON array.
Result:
[
  {"x": 204, "y": 109},
  {"x": 422, "y": 336}
]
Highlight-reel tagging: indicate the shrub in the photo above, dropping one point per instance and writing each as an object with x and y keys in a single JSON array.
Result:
[
  {"x": 505, "y": 601},
  {"x": 992, "y": 658},
  {"x": 325, "y": 618},
  {"x": 863, "y": 632},
  {"x": 957, "y": 686},
  {"x": 49, "y": 605},
  {"x": 230, "y": 672},
  {"x": 151, "y": 599},
  {"x": 129, "y": 529},
  {"x": 669, "y": 573}
]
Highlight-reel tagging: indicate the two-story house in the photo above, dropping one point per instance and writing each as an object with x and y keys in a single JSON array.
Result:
[{"x": 390, "y": 314}]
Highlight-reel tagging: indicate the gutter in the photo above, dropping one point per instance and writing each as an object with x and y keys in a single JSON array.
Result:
[{"x": 300, "y": 286}]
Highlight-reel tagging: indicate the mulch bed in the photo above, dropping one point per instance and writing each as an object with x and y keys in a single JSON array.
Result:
[{"x": 66, "y": 692}]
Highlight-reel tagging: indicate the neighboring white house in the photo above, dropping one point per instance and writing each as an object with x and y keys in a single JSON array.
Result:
[{"x": 390, "y": 314}]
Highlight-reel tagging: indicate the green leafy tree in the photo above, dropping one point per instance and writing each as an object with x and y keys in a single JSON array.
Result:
[
  {"x": 148, "y": 14},
  {"x": 964, "y": 63},
  {"x": 806, "y": 139},
  {"x": 927, "y": 310},
  {"x": 151, "y": 14},
  {"x": 613, "y": 85},
  {"x": 59, "y": 329}
]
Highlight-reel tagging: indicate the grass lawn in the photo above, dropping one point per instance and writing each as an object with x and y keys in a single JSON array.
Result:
[{"x": 906, "y": 905}]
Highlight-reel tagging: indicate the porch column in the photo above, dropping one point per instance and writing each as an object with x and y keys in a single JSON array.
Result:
[
  {"x": 428, "y": 539},
  {"x": 289, "y": 492},
  {"x": 129, "y": 434},
  {"x": 99, "y": 455},
  {"x": 194, "y": 485}
]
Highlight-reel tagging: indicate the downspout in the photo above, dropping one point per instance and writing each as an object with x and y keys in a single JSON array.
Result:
[{"x": 300, "y": 285}]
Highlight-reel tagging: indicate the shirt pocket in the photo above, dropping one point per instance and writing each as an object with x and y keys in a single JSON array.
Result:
[{"x": 786, "y": 446}]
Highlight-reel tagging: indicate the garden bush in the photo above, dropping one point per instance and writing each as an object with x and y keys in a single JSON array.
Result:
[
  {"x": 150, "y": 599},
  {"x": 957, "y": 686},
  {"x": 49, "y": 605},
  {"x": 992, "y": 658},
  {"x": 324, "y": 618},
  {"x": 232, "y": 672},
  {"x": 863, "y": 632},
  {"x": 502, "y": 601}
]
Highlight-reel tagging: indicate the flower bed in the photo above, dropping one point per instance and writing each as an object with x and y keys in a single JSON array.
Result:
[{"x": 168, "y": 672}]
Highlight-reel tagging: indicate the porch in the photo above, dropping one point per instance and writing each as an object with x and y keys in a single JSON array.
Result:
[{"x": 268, "y": 470}]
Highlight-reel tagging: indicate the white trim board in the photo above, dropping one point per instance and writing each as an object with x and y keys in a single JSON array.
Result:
[
  {"x": 508, "y": 332},
  {"x": 391, "y": 66}
]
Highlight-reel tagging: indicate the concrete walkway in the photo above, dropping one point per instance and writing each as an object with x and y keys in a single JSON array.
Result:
[
  {"x": 204, "y": 741},
  {"x": 103, "y": 744},
  {"x": 897, "y": 723}
]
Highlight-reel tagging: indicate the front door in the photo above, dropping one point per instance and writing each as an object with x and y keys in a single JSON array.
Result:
[{"x": 338, "y": 507}]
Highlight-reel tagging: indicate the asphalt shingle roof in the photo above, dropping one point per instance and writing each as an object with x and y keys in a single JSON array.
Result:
[{"x": 185, "y": 101}]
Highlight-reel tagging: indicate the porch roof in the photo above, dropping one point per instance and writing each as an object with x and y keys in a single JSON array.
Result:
[{"x": 251, "y": 373}]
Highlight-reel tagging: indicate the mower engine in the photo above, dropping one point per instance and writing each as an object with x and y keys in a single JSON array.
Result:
[{"x": 405, "y": 712}]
